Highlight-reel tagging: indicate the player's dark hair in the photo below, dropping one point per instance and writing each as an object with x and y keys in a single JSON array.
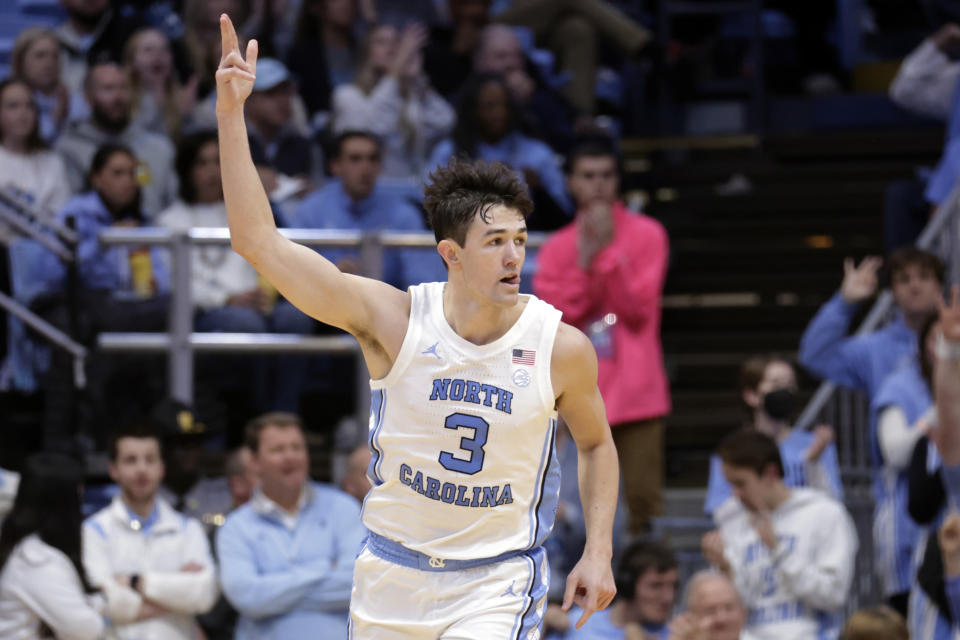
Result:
[
  {"x": 187, "y": 153},
  {"x": 750, "y": 449},
  {"x": 593, "y": 146},
  {"x": 911, "y": 256},
  {"x": 272, "y": 419},
  {"x": 47, "y": 505},
  {"x": 336, "y": 146},
  {"x": 639, "y": 558},
  {"x": 461, "y": 190},
  {"x": 138, "y": 427}
]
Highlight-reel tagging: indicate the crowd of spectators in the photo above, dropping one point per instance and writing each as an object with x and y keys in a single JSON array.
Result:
[{"x": 109, "y": 120}]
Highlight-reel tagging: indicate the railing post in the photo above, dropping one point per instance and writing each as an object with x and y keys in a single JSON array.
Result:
[{"x": 180, "y": 361}]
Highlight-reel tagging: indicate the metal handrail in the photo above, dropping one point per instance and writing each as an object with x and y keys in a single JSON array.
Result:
[
  {"x": 180, "y": 342},
  {"x": 945, "y": 221},
  {"x": 51, "y": 333}
]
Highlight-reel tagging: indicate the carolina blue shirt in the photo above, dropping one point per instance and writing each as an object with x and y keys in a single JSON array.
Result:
[
  {"x": 291, "y": 581},
  {"x": 897, "y": 533},
  {"x": 331, "y": 208},
  {"x": 518, "y": 152},
  {"x": 601, "y": 627},
  {"x": 859, "y": 362},
  {"x": 797, "y": 471},
  {"x": 101, "y": 267}
]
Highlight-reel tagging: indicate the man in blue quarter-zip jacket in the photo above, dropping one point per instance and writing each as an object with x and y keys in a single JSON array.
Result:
[
  {"x": 862, "y": 362},
  {"x": 286, "y": 557}
]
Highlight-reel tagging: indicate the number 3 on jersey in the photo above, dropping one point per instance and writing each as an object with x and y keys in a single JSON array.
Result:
[{"x": 473, "y": 445}]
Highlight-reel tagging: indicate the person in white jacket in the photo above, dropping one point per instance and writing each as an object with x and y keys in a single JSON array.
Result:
[
  {"x": 43, "y": 586},
  {"x": 391, "y": 97},
  {"x": 156, "y": 554},
  {"x": 790, "y": 552}
]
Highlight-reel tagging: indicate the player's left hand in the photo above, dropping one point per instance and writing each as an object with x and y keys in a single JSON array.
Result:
[{"x": 590, "y": 586}]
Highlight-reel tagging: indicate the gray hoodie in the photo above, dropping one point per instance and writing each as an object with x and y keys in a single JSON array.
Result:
[{"x": 158, "y": 179}]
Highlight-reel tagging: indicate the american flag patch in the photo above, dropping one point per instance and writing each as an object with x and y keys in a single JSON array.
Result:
[{"x": 523, "y": 356}]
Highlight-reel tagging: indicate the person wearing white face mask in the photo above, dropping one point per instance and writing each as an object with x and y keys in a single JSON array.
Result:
[{"x": 769, "y": 387}]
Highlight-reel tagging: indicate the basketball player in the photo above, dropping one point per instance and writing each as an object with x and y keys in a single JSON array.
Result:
[{"x": 467, "y": 379}]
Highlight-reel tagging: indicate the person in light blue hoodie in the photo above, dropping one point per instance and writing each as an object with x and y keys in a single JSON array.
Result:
[
  {"x": 286, "y": 557},
  {"x": 864, "y": 361}
]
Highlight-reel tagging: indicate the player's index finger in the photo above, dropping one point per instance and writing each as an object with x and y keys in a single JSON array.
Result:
[
  {"x": 584, "y": 617},
  {"x": 228, "y": 35}
]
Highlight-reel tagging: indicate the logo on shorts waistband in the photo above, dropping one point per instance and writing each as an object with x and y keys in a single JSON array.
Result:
[{"x": 437, "y": 563}]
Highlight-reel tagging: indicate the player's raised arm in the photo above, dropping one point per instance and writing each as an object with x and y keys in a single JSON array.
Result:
[
  {"x": 574, "y": 371},
  {"x": 303, "y": 276}
]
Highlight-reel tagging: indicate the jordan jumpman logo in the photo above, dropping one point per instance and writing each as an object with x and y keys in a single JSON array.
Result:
[{"x": 432, "y": 350}]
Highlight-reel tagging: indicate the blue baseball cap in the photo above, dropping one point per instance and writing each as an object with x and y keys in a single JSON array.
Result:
[{"x": 270, "y": 73}]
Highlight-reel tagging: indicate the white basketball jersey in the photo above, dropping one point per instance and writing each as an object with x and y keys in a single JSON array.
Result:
[{"x": 464, "y": 464}]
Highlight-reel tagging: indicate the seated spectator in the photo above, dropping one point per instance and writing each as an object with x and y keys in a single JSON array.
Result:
[
  {"x": 449, "y": 52},
  {"x": 488, "y": 129},
  {"x": 26, "y": 165},
  {"x": 769, "y": 388},
  {"x": 876, "y": 623},
  {"x": 108, "y": 93},
  {"x": 901, "y": 415},
  {"x": 274, "y": 140},
  {"x": 544, "y": 112},
  {"x": 605, "y": 271},
  {"x": 286, "y": 557},
  {"x": 647, "y": 582},
  {"x": 221, "y": 621},
  {"x": 790, "y": 552},
  {"x": 44, "y": 589},
  {"x": 863, "y": 362},
  {"x": 573, "y": 29},
  {"x": 355, "y": 481},
  {"x": 161, "y": 557},
  {"x": 391, "y": 98},
  {"x": 120, "y": 288},
  {"x": 159, "y": 102},
  {"x": 713, "y": 610},
  {"x": 36, "y": 61},
  {"x": 226, "y": 290},
  {"x": 9, "y": 481},
  {"x": 357, "y": 201}
]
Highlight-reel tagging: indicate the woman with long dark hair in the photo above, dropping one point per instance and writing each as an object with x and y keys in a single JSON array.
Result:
[
  {"x": 488, "y": 129},
  {"x": 43, "y": 586}
]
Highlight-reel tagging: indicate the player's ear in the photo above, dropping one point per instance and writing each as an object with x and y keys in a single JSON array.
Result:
[{"x": 449, "y": 251}]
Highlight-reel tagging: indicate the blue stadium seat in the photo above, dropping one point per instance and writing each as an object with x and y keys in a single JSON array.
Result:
[{"x": 50, "y": 11}]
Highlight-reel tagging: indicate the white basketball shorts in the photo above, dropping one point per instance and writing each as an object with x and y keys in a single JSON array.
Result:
[{"x": 503, "y": 600}]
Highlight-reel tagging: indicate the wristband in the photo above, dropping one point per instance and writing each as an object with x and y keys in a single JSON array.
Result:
[{"x": 947, "y": 349}]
